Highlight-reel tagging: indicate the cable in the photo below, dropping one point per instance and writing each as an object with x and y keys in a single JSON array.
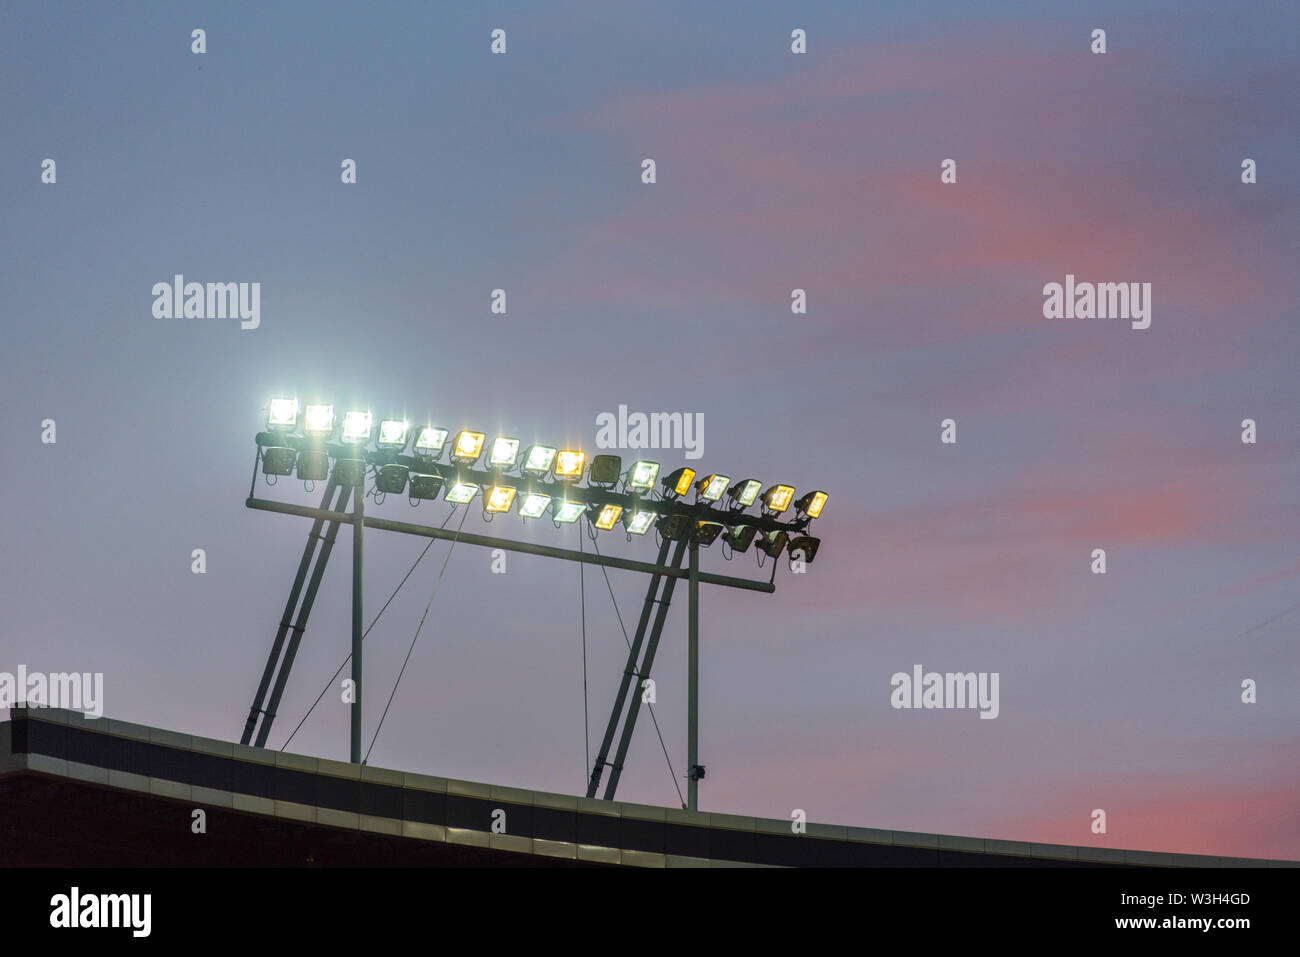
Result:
[
  {"x": 1282, "y": 614},
  {"x": 649, "y": 706},
  {"x": 445, "y": 559},
  {"x": 329, "y": 684}
]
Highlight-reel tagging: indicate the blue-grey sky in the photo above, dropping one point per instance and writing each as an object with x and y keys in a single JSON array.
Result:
[{"x": 775, "y": 171}]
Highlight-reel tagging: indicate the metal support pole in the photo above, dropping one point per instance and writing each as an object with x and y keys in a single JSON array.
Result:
[
  {"x": 629, "y": 674},
  {"x": 308, "y": 552},
  {"x": 652, "y": 645},
  {"x": 299, "y": 626},
  {"x": 358, "y": 537},
  {"x": 693, "y": 684}
]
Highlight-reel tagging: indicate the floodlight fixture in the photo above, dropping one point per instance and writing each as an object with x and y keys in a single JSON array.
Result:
[
  {"x": 350, "y": 471},
  {"x": 712, "y": 487},
  {"x": 605, "y": 470},
  {"x": 313, "y": 465},
  {"x": 505, "y": 453},
  {"x": 569, "y": 464},
  {"x": 638, "y": 523},
  {"x": 740, "y": 537},
  {"x": 608, "y": 516},
  {"x": 812, "y": 505},
  {"x": 467, "y": 447},
  {"x": 429, "y": 441},
  {"x": 803, "y": 548},
  {"x": 461, "y": 493},
  {"x": 771, "y": 543},
  {"x": 356, "y": 427},
  {"x": 641, "y": 477},
  {"x": 318, "y": 420},
  {"x": 393, "y": 434},
  {"x": 674, "y": 527},
  {"x": 777, "y": 498},
  {"x": 391, "y": 479},
  {"x": 534, "y": 505},
  {"x": 745, "y": 493},
  {"x": 425, "y": 486},
  {"x": 282, "y": 416},
  {"x": 538, "y": 460},
  {"x": 679, "y": 482},
  {"x": 278, "y": 460},
  {"x": 706, "y": 533},
  {"x": 567, "y": 512},
  {"x": 500, "y": 499}
]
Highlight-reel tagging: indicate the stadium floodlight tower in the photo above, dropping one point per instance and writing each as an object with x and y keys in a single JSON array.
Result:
[{"x": 502, "y": 476}]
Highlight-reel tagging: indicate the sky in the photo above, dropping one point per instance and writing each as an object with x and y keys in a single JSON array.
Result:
[{"x": 775, "y": 171}]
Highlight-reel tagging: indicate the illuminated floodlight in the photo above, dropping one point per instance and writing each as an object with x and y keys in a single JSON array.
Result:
[
  {"x": 745, "y": 493},
  {"x": 277, "y": 460},
  {"x": 740, "y": 537},
  {"x": 429, "y": 441},
  {"x": 679, "y": 482},
  {"x": 642, "y": 475},
  {"x": 777, "y": 498},
  {"x": 712, "y": 487},
  {"x": 608, "y": 517},
  {"x": 282, "y": 415},
  {"x": 569, "y": 465},
  {"x": 567, "y": 512},
  {"x": 638, "y": 523},
  {"x": 674, "y": 527},
  {"x": 393, "y": 434},
  {"x": 318, "y": 420},
  {"x": 391, "y": 479},
  {"x": 812, "y": 505},
  {"x": 461, "y": 493},
  {"x": 803, "y": 548},
  {"x": 350, "y": 471},
  {"x": 425, "y": 486},
  {"x": 505, "y": 453},
  {"x": 771, "y": 543},
  {"x": 313, "y": 465},
  {"x": 467, "y": 447},
  {"x": 500, "y": 499},
  {"x": 605, "y": 470},
  {"x": 706, "y": 533},
  {"x": 539, "y": 460},
  {"x": 356, "y": 427},
  {"x": 534, "y": 505}
]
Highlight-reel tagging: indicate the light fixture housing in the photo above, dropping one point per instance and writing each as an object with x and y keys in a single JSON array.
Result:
[
  {"x": 505, "y": 453},
  {"x": 393, "y": 434},
  {"x": 282, "y": 415},
  {"x": 425, "y": 486},
  {"x": 569, "y": 464},
  {"x": 606, "y": 516},
  {"x": 350, "y": 471},
  {"x": 534, "y": 505},
  {"x": 638, "y": 523},
  {"x": 605, "y": 471},
  {"x": 313, "y": 465},
  {"x": 318, "y": 420},
  {"x": 706, "y": 533},
  {"x": 356, "y": 427},
  {"x": 429, "y": 441},
  {"x": 777, "y": 498},
  {"x": 391, "y": 479},
  {"x": 745, "y": 492},
  {"x": 740, "y": 537},
  {"x": 712, "y": 487},
  {"x": 566, "y": 512},
  {"x": 461, "y": 493},
  {"x": 641, "y": 477},
  {"x": 803, "y": 548},
  {"x": 771, "y": 543},
  {"x": 467, "y": 447},
  {"x": 812, "y": 504},
  {"x": 278, "y": 460},
  {"x": 674, "y": 527},
  {"x": 538, "y": 460},
  {"x": 500, "y": 499},
  {"x": 678, "y": 483}
]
